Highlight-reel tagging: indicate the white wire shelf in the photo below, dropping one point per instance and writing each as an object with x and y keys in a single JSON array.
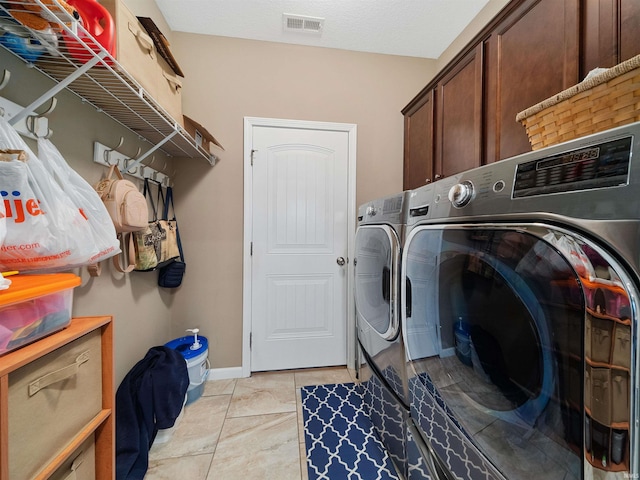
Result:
[{"x": 75, "y": 60}]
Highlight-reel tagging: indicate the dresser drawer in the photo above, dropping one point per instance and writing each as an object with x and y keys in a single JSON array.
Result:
[
  {"x": 81, "y": 465},
  {"x": 50, "y": 401}
]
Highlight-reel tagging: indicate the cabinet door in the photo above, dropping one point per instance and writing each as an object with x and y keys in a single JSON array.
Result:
[
  {"x": 459, "y": 113},
  {"x": 629, "y": 29},
  {"x": 532, "y": 55},
  {"x": 611, "y": 33},
  {"x": 418, "y": 142}
]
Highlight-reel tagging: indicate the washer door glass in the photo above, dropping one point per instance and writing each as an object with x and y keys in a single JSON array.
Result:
[
  {"x": 376, "y": 289},
  {"x": 494, "y": 332}
]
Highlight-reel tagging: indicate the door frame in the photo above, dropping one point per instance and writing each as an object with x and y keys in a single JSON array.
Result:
[{"x": 351, "y": 130}]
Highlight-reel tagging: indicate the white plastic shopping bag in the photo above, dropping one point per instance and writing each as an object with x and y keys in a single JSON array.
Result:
[
  {"x": 45, "y": 231},
  {"x": 3, "y": 215},
  {"x": 84, "y": 198}
]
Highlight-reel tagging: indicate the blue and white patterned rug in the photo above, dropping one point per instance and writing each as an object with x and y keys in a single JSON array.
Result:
[{"x": 339, "y": 437}]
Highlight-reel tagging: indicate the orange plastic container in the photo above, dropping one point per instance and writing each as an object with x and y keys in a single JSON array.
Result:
[
  {"x": 35, "y": 306},
  {"x": 98, "y": 23}
]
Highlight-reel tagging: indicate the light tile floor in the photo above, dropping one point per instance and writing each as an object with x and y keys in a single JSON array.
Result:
[{"x": 242, "y": 429}]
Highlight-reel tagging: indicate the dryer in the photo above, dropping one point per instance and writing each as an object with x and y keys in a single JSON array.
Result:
[
  {"x": 521, "y": 285},
  {"x": 378, "y": 247},
  {"x": 382, "y": 371}
]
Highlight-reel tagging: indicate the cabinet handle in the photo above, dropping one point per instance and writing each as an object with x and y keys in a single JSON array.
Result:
[
  {"x": 438, "y": 176},
  {"x": 143, "y": 39},
  {"x": 74, "y": 466},
  {"x": 58, "y": 375},
  {"x": 427, "y": 181}
]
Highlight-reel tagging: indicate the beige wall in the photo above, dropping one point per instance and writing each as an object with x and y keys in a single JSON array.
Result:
[{"x": 228, "y": 79}]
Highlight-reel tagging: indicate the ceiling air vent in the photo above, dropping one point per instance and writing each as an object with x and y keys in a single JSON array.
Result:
[{"x": 301, "y": 23}]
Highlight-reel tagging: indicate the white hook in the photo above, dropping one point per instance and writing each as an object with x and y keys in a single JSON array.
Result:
[
  {"x": 52, "y": 107},
  {"x": 126, "y": 166},
  {"x": 127, "y": 160},
  {"x": 107, "y": 152},
  {"x": 6, "y": 76},
  {"x": 32, "y": 122},
  {"x": 32, "y": 125}
]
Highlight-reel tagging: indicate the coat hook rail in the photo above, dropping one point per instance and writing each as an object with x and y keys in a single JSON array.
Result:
[{"x": 108, "y": 156}]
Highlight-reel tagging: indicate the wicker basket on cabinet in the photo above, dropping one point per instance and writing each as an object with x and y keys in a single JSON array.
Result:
[{"x": 606, "y": 100}]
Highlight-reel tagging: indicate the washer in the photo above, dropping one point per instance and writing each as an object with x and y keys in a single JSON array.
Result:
[{"x": 520, "y": 284}]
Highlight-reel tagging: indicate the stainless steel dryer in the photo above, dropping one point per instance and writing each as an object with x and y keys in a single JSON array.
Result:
[
  {"x": 521, "y": 284},
  {"x": 382, "y": 368},
  {"x": 378, "y": 247},
  {"x": 382, "y": 372}
]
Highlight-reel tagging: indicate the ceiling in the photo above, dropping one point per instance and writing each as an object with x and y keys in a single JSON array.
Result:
[{"x": 415, "y": 28}]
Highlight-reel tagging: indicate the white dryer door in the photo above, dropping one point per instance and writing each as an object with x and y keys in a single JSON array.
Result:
[{"x": 377, "y": 257}]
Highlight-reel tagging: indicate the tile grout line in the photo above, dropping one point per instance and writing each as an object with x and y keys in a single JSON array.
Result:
[{"x": 215, "y": 449}]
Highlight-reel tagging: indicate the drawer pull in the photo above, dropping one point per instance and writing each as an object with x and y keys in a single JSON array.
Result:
[
  {"x": 74, "y": 466},
  {"x": 143, "y": 39},
  {"x": 58, "y": 375}
]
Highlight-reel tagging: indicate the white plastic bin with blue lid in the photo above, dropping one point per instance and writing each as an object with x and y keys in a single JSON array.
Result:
[{"x": 195, "y": 350}]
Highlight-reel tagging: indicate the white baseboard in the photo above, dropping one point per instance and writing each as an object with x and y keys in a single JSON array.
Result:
[
  {"x": 447, "y": 352},
  {"x": 224, "y": 373}
]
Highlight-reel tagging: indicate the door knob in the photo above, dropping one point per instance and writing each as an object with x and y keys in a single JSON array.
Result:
[{"x": 340, "y": 261}]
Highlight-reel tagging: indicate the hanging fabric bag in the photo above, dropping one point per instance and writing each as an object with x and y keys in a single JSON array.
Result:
[
  {"x": 148, "y": 242},
  {"x": 170, "y": 249},
  {"x": 170, "y": 276}
]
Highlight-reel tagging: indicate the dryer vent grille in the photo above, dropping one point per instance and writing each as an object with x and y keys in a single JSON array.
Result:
[{"x": 301, "y": 23}]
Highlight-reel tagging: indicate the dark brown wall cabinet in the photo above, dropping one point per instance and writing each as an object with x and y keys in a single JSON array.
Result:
[
  {"x": 532, "y": 54},
  {"x": 610, "y": 32},
  {"x": 459, "y": 116},
  {"x": 418, "y": 143},
  {"x": 533, "y": 49}
]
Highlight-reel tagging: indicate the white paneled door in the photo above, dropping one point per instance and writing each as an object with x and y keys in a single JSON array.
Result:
[{"x": 299, "y": 247}]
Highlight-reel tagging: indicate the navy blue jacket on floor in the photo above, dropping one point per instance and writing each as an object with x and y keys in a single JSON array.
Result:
[{"x": 149, "y": 398}]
